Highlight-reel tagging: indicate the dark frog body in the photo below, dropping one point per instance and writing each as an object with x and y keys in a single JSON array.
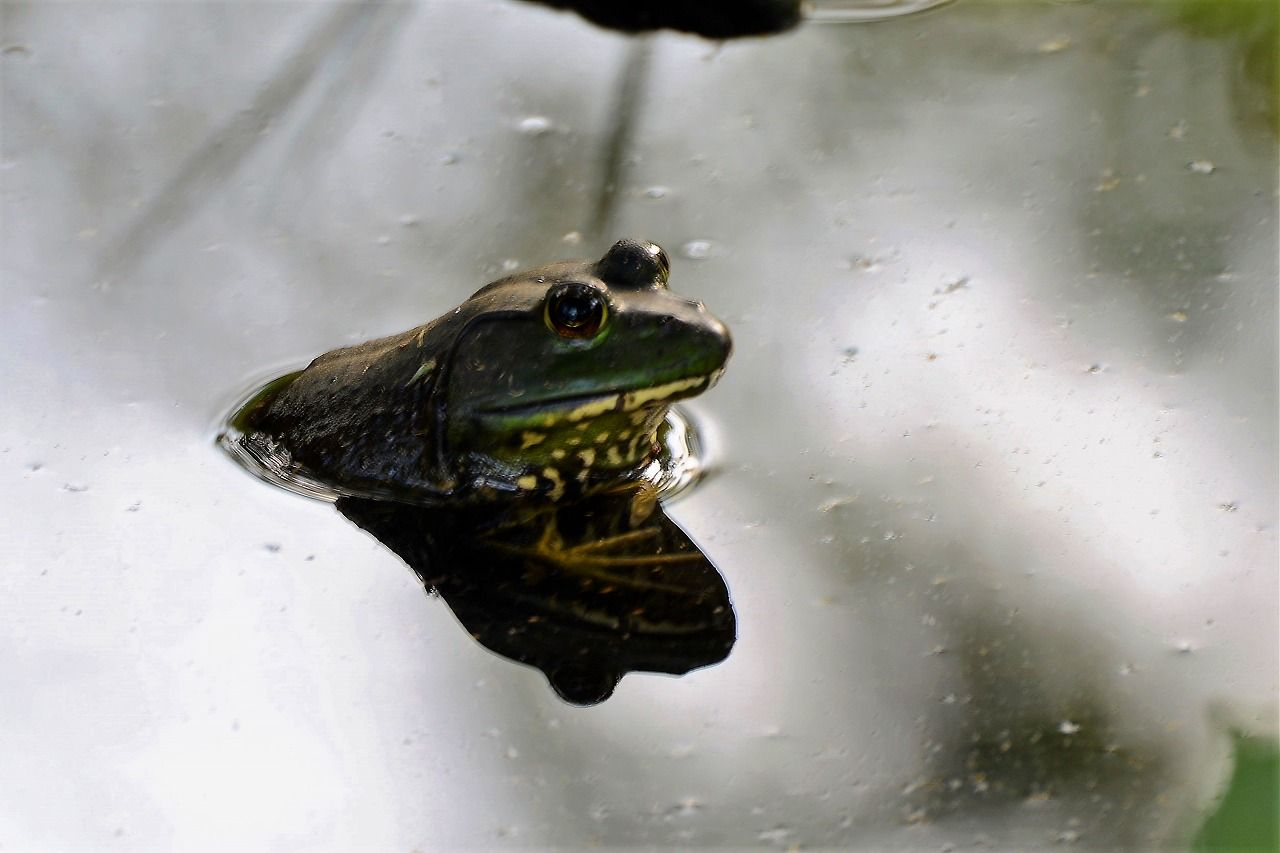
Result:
[
  {"x": 550, "y": 382},
  {"x": 501, "y": 451}
]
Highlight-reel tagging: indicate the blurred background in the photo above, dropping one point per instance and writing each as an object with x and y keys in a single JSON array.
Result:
[{"x": 993, "y": 471}]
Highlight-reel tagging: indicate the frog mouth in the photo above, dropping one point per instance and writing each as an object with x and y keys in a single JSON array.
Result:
[{"x": 582, "y": 407}]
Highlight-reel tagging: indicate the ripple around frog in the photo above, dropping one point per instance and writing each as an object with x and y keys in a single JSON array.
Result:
[{"x": 679, "y": 466}]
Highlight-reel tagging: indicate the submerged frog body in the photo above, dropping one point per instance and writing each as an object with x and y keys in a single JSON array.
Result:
[{"x": 550, "y": 382}]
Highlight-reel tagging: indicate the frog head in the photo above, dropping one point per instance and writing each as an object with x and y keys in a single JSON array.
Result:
[{"x": 562, "y": 375}]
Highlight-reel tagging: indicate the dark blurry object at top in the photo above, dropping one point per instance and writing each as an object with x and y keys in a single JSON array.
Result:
[{"x": 714, "y": 19}]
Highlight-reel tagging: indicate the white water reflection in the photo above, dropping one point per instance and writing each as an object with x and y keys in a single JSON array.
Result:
[{"x": 866, "y": 11}]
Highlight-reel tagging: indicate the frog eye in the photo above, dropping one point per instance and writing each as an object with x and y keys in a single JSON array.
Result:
[{"x": 575, "y": 310}]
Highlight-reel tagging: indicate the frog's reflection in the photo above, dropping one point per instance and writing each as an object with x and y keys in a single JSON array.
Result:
[{"x": 585, "y": 590}]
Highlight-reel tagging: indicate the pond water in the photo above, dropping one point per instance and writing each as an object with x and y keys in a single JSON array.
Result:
[{"x": 991, "y": 478}]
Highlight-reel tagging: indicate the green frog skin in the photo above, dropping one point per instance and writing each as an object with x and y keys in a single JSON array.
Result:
[{"x": 550, "y": 382}]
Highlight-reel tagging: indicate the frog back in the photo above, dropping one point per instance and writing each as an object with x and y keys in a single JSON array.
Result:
[{"x": 364, "y": 418}]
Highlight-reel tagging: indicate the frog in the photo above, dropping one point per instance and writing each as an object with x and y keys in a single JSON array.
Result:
[{"x": 548, "y": 384}]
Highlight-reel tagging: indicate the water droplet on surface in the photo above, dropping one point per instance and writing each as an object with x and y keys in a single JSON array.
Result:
[
  {"x": 656, "y": 192},
  {"x": 534, "y": 125},
  {"x": 1067, "y": 727},
  {"x": 697, "y": 250},
  {"x": 865, "y": 263},
  {"x": 1054, "y": 45},
  {"x": 408, "y": 220},
  {"x": 686, "y": 807},
  {"x": 777, "y": 835},
  {"x": 1201, "y": 167}
]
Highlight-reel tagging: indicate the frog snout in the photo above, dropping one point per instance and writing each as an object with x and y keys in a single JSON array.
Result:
[{"x": 720, "y": 332}]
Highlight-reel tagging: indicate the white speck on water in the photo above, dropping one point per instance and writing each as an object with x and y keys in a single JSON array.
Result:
[
  {"x": 383, "y": 240},
  {"x": 686, "y": 807},
  {"x": 777, "y": 835},
  {"x": 1184, "y": 647},
  {"x": 1067, "y": 727},
  {"x": 448, "y": 158},
  {"x": 408, "y": 220},
  {"x": 1201, "y": 167},
  {"x": 836, "y": 503},
  {"x": 697, "y": 250},
  {"x": 510, "y": 265},
  {"x": 656, "y": 192},
  {"x": 534, "y": 125},
  {"x": 513, "y": 753},
  {"x": 1055, "y": 45},
  {"x": 865, "y": 263},
  {"x": 573, "y": 238}
]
